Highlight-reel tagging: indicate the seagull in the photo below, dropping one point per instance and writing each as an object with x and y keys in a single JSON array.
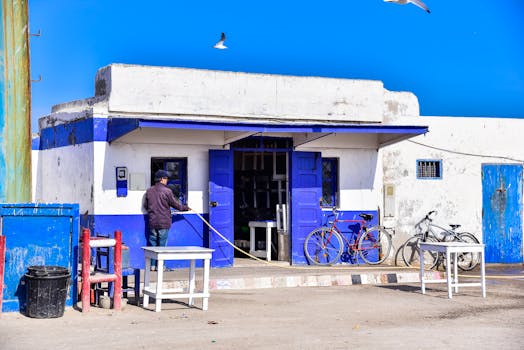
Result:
[
  {"x": 414, "y": 2},
  {"x": 220, "y": 44}
]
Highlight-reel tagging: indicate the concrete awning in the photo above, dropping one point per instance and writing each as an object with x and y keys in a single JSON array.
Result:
[{"x": 304, "y": 135}]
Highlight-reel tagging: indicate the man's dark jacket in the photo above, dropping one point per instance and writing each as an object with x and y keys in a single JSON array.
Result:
[{"x": 158, "y": 203}]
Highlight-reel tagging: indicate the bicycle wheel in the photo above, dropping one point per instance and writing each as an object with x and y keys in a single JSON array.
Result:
[
  {"x": 467, "y": 261},
  {"x": 323, "y": 246},
  {"x": 411, "y": 253},
  {"x": 374, "y": 245}
]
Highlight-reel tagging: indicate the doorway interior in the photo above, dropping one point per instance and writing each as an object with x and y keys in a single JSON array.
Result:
[{"x": 261, "y": 191}]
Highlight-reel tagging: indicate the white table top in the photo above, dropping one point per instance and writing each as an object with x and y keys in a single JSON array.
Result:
[
  {"x": 179, "y": 249},
  {"x": 452, "y": 244},
  {"x": 262, "y": 223}
]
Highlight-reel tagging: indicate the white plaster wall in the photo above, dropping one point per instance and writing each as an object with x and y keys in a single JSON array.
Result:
[
  {"x": 170, "y": 93},
  {"x": 359, "y": 180},
  {"x": 197, "y": 92},
  {"x": 398, "y": 105},
  {"x": 65, "y": 175},
  {"x": 463, "y": 144},
  {"x": 35, "y": 175},
  {"x": 137, "y": 159}
]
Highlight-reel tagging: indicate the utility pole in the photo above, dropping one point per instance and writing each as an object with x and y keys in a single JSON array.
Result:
[{"x": 15, "y": 103}]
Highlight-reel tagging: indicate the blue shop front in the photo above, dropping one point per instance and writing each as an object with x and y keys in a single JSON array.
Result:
[{"x": 232, "y": 169}]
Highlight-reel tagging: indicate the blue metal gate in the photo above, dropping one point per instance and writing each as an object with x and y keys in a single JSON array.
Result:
[
  {"x": 502, "y": 212},
  {"x": 221, "y": 206},
  {"x": 38, "y": 234},
  {"x": 306, "y": 193}
]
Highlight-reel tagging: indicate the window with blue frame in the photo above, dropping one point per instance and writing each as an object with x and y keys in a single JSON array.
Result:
[
  {"x": 177, "y": 170},
  {"x": 429, "y": 169},
  {"x": 329, "y": 182}
]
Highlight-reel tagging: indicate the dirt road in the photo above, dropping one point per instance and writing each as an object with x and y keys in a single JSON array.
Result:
[{"x": 352, "y": 317}]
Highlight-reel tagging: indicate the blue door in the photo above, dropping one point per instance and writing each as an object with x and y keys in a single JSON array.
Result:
[
  {"x": 221, "y": 206},
  {"x": 306, "y": 193},
  {"x": 502, "y": 212}
]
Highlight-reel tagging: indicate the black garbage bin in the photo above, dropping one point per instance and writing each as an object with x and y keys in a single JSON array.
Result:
[{"x": 46, "y": 291}]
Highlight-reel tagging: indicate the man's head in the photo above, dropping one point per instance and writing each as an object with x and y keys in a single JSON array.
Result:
[{"x": 161, "y": 174}]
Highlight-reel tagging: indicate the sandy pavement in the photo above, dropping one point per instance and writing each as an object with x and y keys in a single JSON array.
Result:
[{"x": 356, "y": 317}]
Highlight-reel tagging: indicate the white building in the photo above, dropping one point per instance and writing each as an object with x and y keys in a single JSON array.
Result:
[
  {"x": 467, "y": 169},
  {"x": 238, "y": 144}
]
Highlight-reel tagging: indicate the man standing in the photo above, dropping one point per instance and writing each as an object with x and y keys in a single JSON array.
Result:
[{"x": 159, "y": 200}]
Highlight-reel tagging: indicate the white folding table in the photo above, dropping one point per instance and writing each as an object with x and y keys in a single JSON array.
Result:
[
  {"x": 451, "y": 250},
  {"x": 160, "y": 254}
]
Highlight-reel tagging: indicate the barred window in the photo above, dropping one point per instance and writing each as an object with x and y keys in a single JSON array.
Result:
[{"x": 429, "y": 169}]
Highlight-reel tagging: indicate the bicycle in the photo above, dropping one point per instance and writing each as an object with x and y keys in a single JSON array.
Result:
[
  {"x": 325, "y": 245},
  {"x": 426, "y": 233}
]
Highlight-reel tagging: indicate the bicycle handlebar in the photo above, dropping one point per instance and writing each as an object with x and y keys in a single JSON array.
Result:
[{"x": 427, "y": 217}]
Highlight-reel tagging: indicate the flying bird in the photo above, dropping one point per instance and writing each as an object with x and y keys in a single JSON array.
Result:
[
  {"x": 220, "y": 44},
  {"x": 414, "y": 2}
]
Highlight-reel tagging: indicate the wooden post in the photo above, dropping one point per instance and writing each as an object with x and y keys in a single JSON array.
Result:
[
  {"x": 117, "y": 298},
  {"x": 86, "y": 265}
]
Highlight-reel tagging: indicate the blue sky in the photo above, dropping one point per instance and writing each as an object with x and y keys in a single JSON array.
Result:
[{"x": 466, "y": 58}]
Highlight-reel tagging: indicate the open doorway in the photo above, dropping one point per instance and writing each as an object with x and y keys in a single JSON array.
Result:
[{"x": 261, "y": 195}]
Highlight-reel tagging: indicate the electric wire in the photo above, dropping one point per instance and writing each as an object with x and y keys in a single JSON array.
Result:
[{"x": 466, "y": 153}]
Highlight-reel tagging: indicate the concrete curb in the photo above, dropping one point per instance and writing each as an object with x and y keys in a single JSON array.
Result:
[{"x": 311, "y": 280}]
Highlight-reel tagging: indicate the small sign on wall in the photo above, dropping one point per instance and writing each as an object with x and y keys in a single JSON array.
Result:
[
  {"x": 121, "y": 181},
  {"x": 137, "y": 182},
  {"x": 389, "y": 200}
]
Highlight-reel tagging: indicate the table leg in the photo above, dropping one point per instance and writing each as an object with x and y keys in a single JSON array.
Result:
[
  {"x": 206, "y": 284},
  {"x": 191, "y": 281},
  {"x": 147, "y": 276},
  {"x": 252, "y": 242},
  {"x": 455, "y": 271},
  {"x": 482, "y": 274},
  {"x": 448, "y": 273},
  {"x": 422, "y": 282},
  {"x": 159, "y": 282},
  {"x": 268, "y": 243}
]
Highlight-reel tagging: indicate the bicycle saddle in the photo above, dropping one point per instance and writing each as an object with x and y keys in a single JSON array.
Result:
[
  {"x": 367, "y": 217},
  {"x": 454, "y": 226}
]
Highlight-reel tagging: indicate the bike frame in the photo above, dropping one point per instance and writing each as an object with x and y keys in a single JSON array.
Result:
[
  {"x": 427, "y": 229},
  {"x": 329, "y": 243},
  {"x": 350, "y": 245},
  {"x": 430, "y": 230}
]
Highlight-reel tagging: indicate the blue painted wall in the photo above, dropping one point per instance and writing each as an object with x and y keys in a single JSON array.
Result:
[{"x": 187, "y": 229}]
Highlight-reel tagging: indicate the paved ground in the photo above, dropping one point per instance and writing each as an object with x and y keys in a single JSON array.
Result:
[{"x": 390, "y": 315}]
